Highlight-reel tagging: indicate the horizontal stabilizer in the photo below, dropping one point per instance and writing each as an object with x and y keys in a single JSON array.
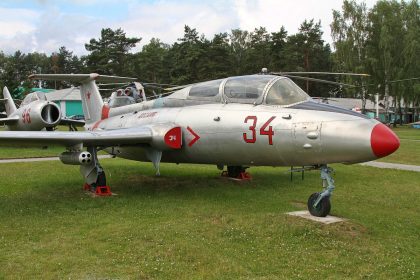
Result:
[{"x": 81, "y": 78}]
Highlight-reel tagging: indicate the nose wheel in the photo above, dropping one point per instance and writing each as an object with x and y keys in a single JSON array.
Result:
[
  {"x": 319, "y": 204},
  {"x": 322, "y": 209}
]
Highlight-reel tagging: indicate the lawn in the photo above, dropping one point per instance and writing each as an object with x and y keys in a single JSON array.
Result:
[
  {"x": 24, "y": 152},
  {"x": 190, "y": 224},
  {"x": 409, "y": 150}
]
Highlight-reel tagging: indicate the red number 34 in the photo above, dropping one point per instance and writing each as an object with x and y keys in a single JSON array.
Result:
[{"x": 263, "y": 130}]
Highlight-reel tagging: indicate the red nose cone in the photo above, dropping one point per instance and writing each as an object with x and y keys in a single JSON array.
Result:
[{"x": 383, "y": 141}]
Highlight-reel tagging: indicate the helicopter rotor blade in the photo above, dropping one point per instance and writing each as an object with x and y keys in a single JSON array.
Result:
[
  {"x": 178, "y": 87},
  {"x": 403, "y": 80},
  {"x": 321, "y": 73},
  {"x": 320, "y": 81},
  {"x": 158, "y": 84}
]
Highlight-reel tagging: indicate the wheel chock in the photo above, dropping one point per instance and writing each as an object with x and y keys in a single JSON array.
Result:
[
  {"x": 98, "y": 191},
  {"x": 243, "y": 176},
  {"x": 103, "y": 191}
]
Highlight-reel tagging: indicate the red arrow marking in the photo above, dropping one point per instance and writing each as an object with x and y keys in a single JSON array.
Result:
[{"x": 196, "y": 137}]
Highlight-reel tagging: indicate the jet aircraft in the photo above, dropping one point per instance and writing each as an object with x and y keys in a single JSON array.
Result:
[
  {"x": 254, "y": 120},
  {"x": 34, "y": 113}
]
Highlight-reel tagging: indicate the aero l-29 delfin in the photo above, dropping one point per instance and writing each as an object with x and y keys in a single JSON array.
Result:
[{"x": 255, "y": 120}]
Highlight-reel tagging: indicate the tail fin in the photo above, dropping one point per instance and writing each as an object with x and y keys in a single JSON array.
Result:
[
  {"x": 10, "y": 105},
  {"x": 93, "y": 105}
]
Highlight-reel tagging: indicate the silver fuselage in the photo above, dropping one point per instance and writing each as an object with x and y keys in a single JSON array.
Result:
[
  {"x": 36, "y": 115},
  {"x": 234, "y": 134}
]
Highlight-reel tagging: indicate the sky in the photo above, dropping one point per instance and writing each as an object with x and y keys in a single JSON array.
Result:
[{"x": 46, "y": 25}]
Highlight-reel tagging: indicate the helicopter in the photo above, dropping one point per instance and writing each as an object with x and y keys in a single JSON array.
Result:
[{"x": 237, "y": 122}]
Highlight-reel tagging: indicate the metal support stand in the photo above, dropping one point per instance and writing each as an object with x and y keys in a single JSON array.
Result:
[{"x": 302, "y": 170}]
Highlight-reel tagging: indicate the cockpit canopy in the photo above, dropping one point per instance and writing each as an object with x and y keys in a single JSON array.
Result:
[
  {"x": 285, "y": 92},
  {"x": 34, "y": 96},
  {"x": 252, "y": 89}
]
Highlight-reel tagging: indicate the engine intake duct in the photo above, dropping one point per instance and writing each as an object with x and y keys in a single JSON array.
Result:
[
  {"x": 76, "y": 158},
  {"x": 50, "y": 114}
]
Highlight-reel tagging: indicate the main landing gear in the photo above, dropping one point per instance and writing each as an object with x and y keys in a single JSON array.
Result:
[
  {"x": 237, "y": 173},
  {"x": 95, "y": 179},
  {"x": 319, "y": 204}
]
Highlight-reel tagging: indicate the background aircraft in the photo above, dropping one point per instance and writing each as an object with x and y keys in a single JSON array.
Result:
[
  {"x": 34, "y": 113},
  {"x": 255, "y": 120}
]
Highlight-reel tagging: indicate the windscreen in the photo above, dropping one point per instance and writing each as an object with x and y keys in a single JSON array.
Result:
[{"x": 285, "y": 92}]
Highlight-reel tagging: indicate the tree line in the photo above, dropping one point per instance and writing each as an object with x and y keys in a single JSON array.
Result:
[{"x": 382, "y": 41}]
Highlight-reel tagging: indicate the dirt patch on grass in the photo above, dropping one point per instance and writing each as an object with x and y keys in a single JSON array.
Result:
[
  {"x": 349, "y": 229},
  {"x": 298, "y": 204}
]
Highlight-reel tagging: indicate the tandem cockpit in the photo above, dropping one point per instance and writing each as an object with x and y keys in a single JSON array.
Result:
[
  {"x": 252, "y": 89},
  {"x": 270, "y": 90}
]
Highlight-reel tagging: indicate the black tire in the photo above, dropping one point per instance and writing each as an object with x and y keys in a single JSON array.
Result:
[
  {"x": 322, "y": 209},
  {"x": 235, "y": 171}
]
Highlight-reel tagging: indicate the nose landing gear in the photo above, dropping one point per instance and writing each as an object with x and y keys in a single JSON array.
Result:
[{"x": 319, "y": 204}]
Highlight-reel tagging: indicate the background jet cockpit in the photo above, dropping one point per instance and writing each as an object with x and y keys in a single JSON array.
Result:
[
  {"x": 34, "y": 96},
  {"x": 132, "y": 94}
]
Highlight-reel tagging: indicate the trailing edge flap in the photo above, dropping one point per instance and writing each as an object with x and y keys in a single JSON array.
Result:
[
  {"x": 7, "y": 121},
  {"x": 81, "y": 78},
  {"x": 161, "y": 137}
]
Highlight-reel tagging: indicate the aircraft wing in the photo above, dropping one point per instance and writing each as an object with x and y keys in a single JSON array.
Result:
[
  {"x": 11, "y": 120},
  {"x": 161, "y": 136}
]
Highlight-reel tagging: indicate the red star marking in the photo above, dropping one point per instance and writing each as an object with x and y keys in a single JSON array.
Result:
[{"x": 196, "y": 137}]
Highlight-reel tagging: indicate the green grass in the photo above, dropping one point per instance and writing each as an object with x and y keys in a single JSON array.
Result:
[
  {"x": 24, "y": 152},
  {"x": 9, "y": 152},
  {"x": 409, "y": 150},
  {"x": 407, "y": 132},
  {"x": 190, "y": 224}
]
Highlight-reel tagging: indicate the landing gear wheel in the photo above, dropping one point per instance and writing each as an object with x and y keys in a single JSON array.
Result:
[
  {"x": 322, "y": 209},
  {"x": 235, "y": 171}
]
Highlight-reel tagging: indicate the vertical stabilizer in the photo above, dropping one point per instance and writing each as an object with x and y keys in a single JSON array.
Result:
[
  {"x": 93, "y": 105},
  {"x": 10, "y": 105},
  {"x": 92, "y": 102}
]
